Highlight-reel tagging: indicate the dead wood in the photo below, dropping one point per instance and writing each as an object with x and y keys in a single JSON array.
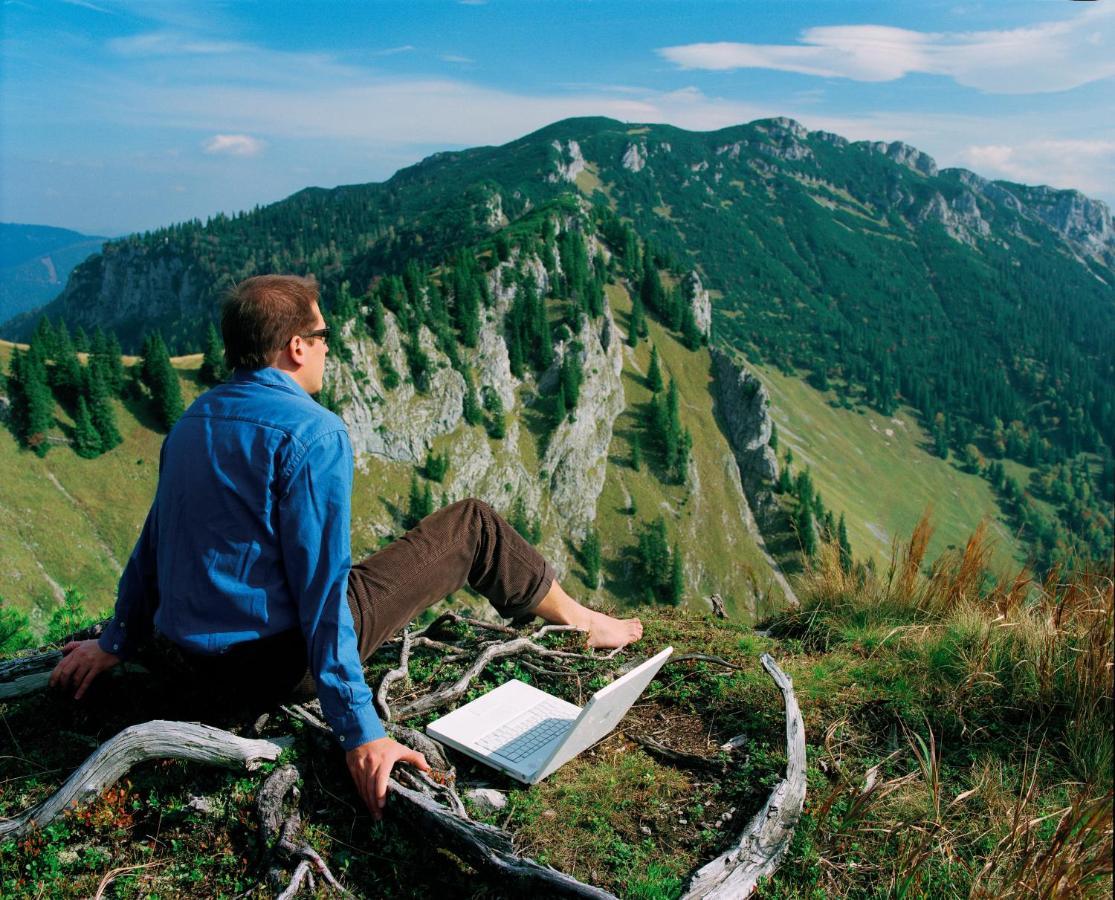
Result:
[
  {"x": 761, "y": 845},
  {"x": 274, "y": 827},
  {"x": 678, "y": 757},
  {"x": 402, "y": 671},
  {"x": 487, "y": 848},
  {"x": 151, "y": 740}
]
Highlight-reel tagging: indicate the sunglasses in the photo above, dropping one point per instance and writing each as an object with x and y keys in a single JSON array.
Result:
[{"x": 322, "y": 333}]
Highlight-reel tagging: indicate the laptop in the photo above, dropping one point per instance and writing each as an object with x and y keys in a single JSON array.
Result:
[{"x": 529, "y": 733}]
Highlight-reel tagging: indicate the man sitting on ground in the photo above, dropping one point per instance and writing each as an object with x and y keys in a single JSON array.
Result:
[{"x": 243, "y": 572}]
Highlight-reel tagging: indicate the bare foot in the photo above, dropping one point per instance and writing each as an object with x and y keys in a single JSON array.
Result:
[{"x": 606, "y": 633}]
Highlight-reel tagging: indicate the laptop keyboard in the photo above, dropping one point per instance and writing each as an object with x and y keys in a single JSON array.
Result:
[{"x": 524, "y": 734}]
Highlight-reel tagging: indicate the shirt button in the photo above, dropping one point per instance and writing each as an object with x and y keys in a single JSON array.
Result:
[
  {"x": 342, "y": 738},
  {"x": 115, "y": 646}
]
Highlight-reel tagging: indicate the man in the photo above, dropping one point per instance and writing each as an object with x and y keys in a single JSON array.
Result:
[{"x": 242, "y": 574}]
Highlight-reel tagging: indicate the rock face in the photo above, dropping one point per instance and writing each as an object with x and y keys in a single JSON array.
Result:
[
  {"x": 124, "y": 288},
  {"x": 961, "y": 216},
  {"x": 576, "y": 456},
  {"x": 695, "y": 293},
  {"x": 1085, "y": 224},
  {"x": 570, "y": 162},
  {"x": 905, "y": 155},
  {"x": 401, "y": 425},
  {"x": 397, "y": 425},
  {"x": 743, "y": 404},
  {"x": 635, "y": 157}
]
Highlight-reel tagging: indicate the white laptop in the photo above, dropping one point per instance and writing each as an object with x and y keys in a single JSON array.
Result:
[{"x": 529, "y": 733}]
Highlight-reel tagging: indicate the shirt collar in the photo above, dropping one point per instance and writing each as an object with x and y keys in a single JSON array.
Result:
[{"x": 271, "y": 377}]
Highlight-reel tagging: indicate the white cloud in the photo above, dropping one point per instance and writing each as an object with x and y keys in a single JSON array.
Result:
[
  {"x": 392, "y": 51},
  {"x": 233, "y": 145},
  {"x": 1087, "y": 165},
  {"x": 169, "y": 43},
  {"x": 85, "y": 4},
  {"x": 1051, "y": 56},
  {"x": 455, "y": 58}
]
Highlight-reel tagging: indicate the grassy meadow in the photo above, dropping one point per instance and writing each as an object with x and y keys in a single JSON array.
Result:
[
  {"x": 958, "y": 742},
  {"x": 881, "y": 473}
]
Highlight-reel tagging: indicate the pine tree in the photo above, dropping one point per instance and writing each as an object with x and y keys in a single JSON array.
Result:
[
  {"x": 845, "y": 546},
  {"x": 377, "y": 320},
  {"x": 685, "y": 446},
  {"x": 101, "y": 411},
  {"x": 803, "y": 488},
  {"x": 416, "y": 503},
  {"x": 518, "y": 518},
  {"x": 81, "y": 340},
  {"x": 32, "y": 401},
  {"x": 590, "y": 558},
  {"x": 806, "y": 529},
  {"x": 436, "y": 466},
  {"x": 571, "y": 376},
  {"x": 15, "y": 630},
  {"x": 654, "y": 373},
  {"x": 471, "y": 411},
  {"x": 691, "y": 336},
  {"x": 67, "y": 376},
  {"x": 636, "y": 453},
  {"x": 773, "y": 441},
  {"x": 44, "y": 338},
  {"x": 637, "y": 325},
  {"x": 677, "y": 576},
  {"x": 162, "y": 381},
  {"x": 785, "y": 479},
  {"x": 87, "y": 443},
  {"x": 561, "y": 406},
  {"x": 654, "y": 555},
  {"x": 114, "y": 369},
  {"x": 497, "y": 424},
  {"x": 427, "y": 505},
  {"x": 213, "y": 362}
]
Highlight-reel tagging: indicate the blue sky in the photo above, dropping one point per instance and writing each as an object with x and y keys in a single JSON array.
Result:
[{"x": 121, "y": 116}]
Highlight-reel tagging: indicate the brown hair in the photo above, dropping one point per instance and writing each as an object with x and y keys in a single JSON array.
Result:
[{"x": 262, "y": 314}]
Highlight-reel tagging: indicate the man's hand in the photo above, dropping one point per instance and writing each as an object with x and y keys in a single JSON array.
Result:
[
  {"x": 81, "y": 662},
  {"x": 370, "y": 766}
]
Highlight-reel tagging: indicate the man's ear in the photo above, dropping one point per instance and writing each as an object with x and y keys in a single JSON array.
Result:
[{"x": 296, "y": 349}]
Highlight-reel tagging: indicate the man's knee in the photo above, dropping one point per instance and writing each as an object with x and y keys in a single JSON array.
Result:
[{"x": 474, "y": 507}]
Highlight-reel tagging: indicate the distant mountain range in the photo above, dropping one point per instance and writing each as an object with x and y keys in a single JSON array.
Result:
[
  {"x": 986, "y": 307},
  {"x": 35, "y": 263}
]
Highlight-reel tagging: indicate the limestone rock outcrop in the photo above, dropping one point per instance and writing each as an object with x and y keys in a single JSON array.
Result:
[
  {"x": 743, "y": 404},
  {"x": 697, "y": 297}
]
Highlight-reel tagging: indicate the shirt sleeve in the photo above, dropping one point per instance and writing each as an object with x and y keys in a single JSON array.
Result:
[
  {"x": 137, "y": 596},
  {"x": 314, "y": 515}
]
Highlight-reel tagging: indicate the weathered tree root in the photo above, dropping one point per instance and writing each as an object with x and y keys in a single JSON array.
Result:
[
  {"x": 27, "y": 674},
  {"x": 273, "y": 827},
  {"x": 403, "y": 671},
  {"x": 151, "y": 740},
  {"x": 764, "y": 841},
  {"x": 488, "y": 848},
  {"x": 677, "y": 757}
]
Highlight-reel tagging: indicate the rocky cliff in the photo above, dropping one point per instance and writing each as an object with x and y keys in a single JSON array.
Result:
[{"x": 744, "y": 407}]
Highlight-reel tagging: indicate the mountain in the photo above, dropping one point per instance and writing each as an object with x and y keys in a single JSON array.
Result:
[
  {"x": 35, "y": 263},
  {"x": 861, "y": 260},
  {"x": 980, "y": 311}
]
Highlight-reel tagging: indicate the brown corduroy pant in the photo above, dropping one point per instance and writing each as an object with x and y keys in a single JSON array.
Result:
[{"x": 466, "y": 542}]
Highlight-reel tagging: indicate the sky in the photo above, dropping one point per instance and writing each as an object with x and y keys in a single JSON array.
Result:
[{"x": 126, "y": 115}]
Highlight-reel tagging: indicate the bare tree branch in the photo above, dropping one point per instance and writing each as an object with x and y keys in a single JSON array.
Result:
[
  {"x": 151, "y": 740},
  {"x": 761, "y": 845}
]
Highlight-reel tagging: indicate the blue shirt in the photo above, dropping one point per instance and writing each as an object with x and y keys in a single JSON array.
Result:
[{"x": 249, "y": 536}]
